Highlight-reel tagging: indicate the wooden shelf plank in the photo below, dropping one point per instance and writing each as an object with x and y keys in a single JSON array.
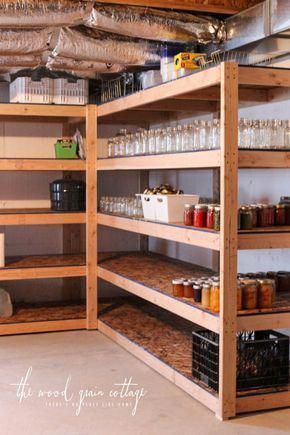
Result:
[
  {"x": 200, "y": 159},
  {"x": 264, "y": 240},
  {"x": 264, "y": 159},
  {"x": 220, "y": 7},
  {"x": 41, "y": 165},
  {"x": 177, "y": 233},
  {"x": 196, "y": 81},
  {"x": 40, "y": 266},
  {"x": 261, "y": 402},
  {"x": 135, "y": 274},
  {"x": 42, "y": 110},
  {"x": 259, "y": 322},
  {"x": 35, "y": 327},
  {"x": 264, "y": 77},
  {"x": 39, "y": 217}
]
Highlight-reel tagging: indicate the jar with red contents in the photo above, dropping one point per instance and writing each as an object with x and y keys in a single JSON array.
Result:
[
  {"x": 210, "y": 216},
  {"x": 188, "y": 215},
  {"x": 271, "y": 215},
  {"x": 254, "y": 210},
  {"x": 199, "y": 216},
  {"x": 280, "y": 214},
  {"x": 263, "y": 215}
]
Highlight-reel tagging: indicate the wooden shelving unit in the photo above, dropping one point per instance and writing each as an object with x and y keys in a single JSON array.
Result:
[
  {"x": 218, "y": 88},
  {"x": 71, "y": 264}
]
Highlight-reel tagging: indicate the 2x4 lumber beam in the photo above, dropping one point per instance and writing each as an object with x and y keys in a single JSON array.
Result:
[
  {"x": 213, "y": 6},
  {"x": 228, "y": 241},
  {"x": 213, "y": 94},
  {"x": 42, "y": 110},
  {"x": 180, "y": 105},
  {"x": 91, "y": 229}
]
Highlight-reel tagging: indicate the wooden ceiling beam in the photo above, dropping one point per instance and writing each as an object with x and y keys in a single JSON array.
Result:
[{"x": 213, "y": 6}]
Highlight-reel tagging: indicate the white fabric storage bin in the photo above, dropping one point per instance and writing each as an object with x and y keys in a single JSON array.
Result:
[
  {"x": 170, "y": 208},
  {"x": 148, "y": 205},
  {"x": 70, "y": 92},
  {"x": 25, "y": 90}
]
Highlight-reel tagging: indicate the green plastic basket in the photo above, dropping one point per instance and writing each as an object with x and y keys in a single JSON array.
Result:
[{"x": 65, "y": 149}]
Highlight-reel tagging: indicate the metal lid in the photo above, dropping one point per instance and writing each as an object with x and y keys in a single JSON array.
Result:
[
  {"x": 215, "y": 283},
  {"x": 177, "y": 281},
  {"x": 207, "y": 286},
  {"x": 266, "y": 281},
  {"x": 249, "y": 281},
  {"x": 201, "y": 206},
  {"x": 187, "y": 206},
  {"x": 186, "y": 283},
  {"x": 197, "y": 287}
]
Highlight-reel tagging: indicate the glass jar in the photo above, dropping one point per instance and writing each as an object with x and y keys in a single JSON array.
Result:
[
  {"x": 197, "y": 289},
  {"x": 178, "y": 139},
  {"x": 287, "y": 135},
  {"x": 271, "y": 215},
  {"x": 246, "y": 218},
  {"x": 210, "y": 217},
  {"x": 266, "y": 293},
  {"x": 280, "y": 214},
  {"x": 217, "y": 218},
  {"x": 199, "y": 216},
  {"x": 169, "y": 140},
  {"x": 111, "y": 147},
  {"x": 249, "y": 294},
  {"x": 205, "y": 295},
  {"x": 215, "y": 297},
  {"x": 263, "y": 215},
  {"x": 254, "y": 211},
  {"x": 162, "y": 142},
  {"x": 283, "y": 278},
  {"x": 239, "y": 296},
  {"x": 178, "y": 288},
  {"x": 187, "y": 289},
  {"x": 188, "y": 215},
  {"x": 151, "y": 142}
]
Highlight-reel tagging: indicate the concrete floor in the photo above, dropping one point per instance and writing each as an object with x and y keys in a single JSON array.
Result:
[{"x": 96, "y": 364}]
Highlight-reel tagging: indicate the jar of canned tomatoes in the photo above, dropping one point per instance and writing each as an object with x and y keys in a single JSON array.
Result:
[
  {"x": 249, "y": 294},
  {"x": 200, "y": 216},
  {"x": 210, "y": 216},
  {"x": 280, "y": 214},
  {"x": 188, "y": 215}
]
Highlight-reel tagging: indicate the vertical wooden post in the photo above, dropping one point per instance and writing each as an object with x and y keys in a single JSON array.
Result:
[
  {"x": 228, "y": 240},
  {"x": 91, "y": 212}
]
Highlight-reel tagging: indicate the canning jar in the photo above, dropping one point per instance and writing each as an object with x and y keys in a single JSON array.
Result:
[
  {"x": 197, "y": 289},
  {"x": 187, "y": 289},
  {"x": 210, "y": 217},
  {"x": 254, "y": 211},
  {"x": 249, "y": 294},
  {"x": 177, "y": 287},
  {"x": 246, "y": 218},
  {"x": 263, "y": 215},
  {"x": 215, "y": 297},
  {"x": 199, "y": 216},
  {"x": 217, "y": 218},
  {"x": 280, "y": 214},
  {"x": 283, "y": 281},
  {"x": 266, "y": 293},
  {"x": 271, "y": 215},
  {"x": 205, "y": 295},
  {"x": 188, "y": 215}
]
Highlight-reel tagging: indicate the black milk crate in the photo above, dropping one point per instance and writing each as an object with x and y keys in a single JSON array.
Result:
[{"x": 262, "y": 359}]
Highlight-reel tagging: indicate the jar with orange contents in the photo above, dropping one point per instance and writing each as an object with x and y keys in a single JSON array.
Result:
[{"x": 215, "y": 296}]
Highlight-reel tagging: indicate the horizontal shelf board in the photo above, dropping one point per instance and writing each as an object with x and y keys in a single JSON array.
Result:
[
  {"x": 40, "y": 216},
  {"x": 264, "y": 159},
  {"x": 264, "y": 240},
  {"x": 153, "y": 338},
  {"x": 175, "y": 232},
  {"x": 264, "y": 77},
  {"x": 42, "y": 110},
  {"x": 260, "y": 402},
  {"x": 43, "y": 266},
  {"x": 193, "y": 82},
  {"x": 259, "y": 322},
  {"x": 46, "y": 326},
  {"x": 199, "y": 159},
  {"x": 42, "y": 165},
  {"x": 149, "y": 277}
]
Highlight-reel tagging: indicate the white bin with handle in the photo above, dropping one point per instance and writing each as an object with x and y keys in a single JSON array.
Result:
[{"x": 166, "y": 208}]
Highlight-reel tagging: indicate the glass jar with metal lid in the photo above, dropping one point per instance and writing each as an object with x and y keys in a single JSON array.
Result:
[
  {"x": 188, "y": 215},
  {"x": 217, "y": 218},
  {"x": 188, "y": 289},
  {"x": 280, "y": 214},
  {"x": 266, "y": 293},
  {"x": 249, "y": 294},
  {"x": 205, "y": 295},
  {"x": 239, "y": 295},
  {"x": 215, "y": 296},
  {"x": 177, "y": 287},
  {"x": 199, "y": 216},
  {"x": 197, "y": 289},
  {"x": 246, "y": 218},
  {"x": 210, "y": 216}
]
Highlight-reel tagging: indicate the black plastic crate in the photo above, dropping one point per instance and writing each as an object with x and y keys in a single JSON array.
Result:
[{"x": 262, "y": 359}]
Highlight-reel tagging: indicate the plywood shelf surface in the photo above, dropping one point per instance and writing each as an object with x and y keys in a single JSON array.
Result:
[
  {"x": 40, "y": 216},
  {"x": 162, "y": 340},
  {"x": 43, "y": 266},
  {"x": 198, "y": 159},
  {"x": 149, "y": 276},
  {"x": 176, "y": 232},
  {"x": 42, "y": 165}
]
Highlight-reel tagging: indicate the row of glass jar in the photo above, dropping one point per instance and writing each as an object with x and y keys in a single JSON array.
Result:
[
  {"x": 251, "y": 293},
  {"x": 200, "y": 135},
  {"x": 264, "y": 134},
  {"x": 130, "y": 206}
]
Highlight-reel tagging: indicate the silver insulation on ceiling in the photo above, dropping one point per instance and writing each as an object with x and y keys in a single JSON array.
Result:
[
  {"x": 66, "y": 64},
  {"x": 42, "y": 13},
  {"x": 154, "y": 24},
  {"x": 98, "y": 47},
  {"x": 16, "y": 41}
]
